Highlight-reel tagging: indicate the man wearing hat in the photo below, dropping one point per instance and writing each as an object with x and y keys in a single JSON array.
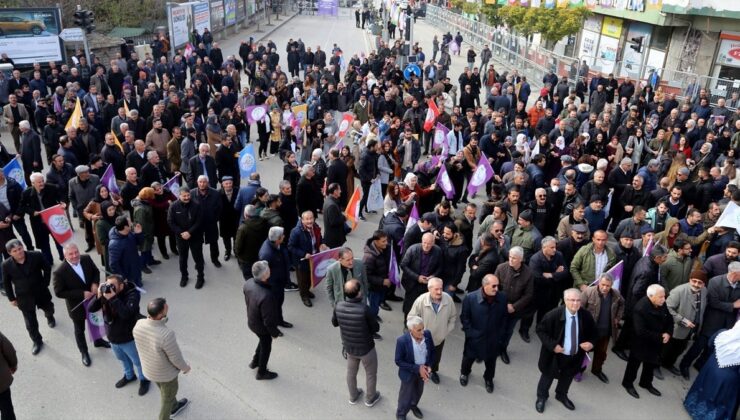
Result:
[
  {"x": 647, "y": 233},
  {"x": 81, "y": 192},
  {"x": 526, "y": 235},
  {"x": 686, "y": 303},
  {"x": 595, "y": 214}
]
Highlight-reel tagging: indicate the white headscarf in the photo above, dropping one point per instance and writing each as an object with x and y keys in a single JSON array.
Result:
[
  {"x": 522, "y": 145},
  {"x": 560, "y": 142},
  {"x": 727, "y": 347}
]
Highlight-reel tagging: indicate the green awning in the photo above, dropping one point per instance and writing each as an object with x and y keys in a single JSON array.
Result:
[{"x": 123, "y": 32}]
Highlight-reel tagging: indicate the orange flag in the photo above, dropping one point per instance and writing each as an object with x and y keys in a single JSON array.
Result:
[
  {"x": 115, "y": 138},
  {"x": 353, "y": 208},
  {"x": 74, "y": 119}
]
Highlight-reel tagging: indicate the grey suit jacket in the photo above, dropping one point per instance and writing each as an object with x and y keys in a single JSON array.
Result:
[
  {"x": 680, "y": 304},
  {"x": 335, "y": 281}
]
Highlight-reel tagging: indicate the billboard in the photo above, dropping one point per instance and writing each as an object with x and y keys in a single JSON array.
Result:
[
  {"x": 38, "y": 27},
  {"x": 201, "y": 16},
  {"x": 230, "y": 12},
  {"x": 217, "y": 15},
  {"x": 181, "y": 20}
]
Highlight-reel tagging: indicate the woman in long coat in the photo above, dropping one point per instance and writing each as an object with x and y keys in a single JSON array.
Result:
[{"x": 144, "y": 215}]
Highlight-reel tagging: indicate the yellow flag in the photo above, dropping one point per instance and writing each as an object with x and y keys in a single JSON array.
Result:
[
  {"x": 300, "y": 113},
  {"x": 115, "y": 138},
  {"x": 74, "y": 119},
  {"x": 125, "y": 106}
]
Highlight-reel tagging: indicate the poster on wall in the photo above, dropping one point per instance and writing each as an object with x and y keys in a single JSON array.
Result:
[
  {"x": 201, "y": 17},
  {"x": 655, "y": 60},
  {"x": 607, "y": 54},
  {"x": 180, "y": 22},
  {"x": 612, "y": 27},
  {"x": 241, "y": 9},
  {"x": 23, "y": 27},
  {"x": 328, "y": 7},
  {"x": 589, "y": 43},
  {"x": 729, "y": 53},
  {"x": 230, "y": 12},
  {"x": 217, "y": 15}
]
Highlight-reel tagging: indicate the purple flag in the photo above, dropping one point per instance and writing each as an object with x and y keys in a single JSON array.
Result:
[
  {"x": 57, "y": 106},
  {"x": 482, "y": 174},
  {"x": 95, "y": 323},
  {"x": 413, "y": 217},
  {"x": 173, "y": 185},
  {"x": 320, "y": 263},
  {"x": 109, "y": 180},
  {"x": 616, "y": 273},
  {"x": 443, "y": 180},
  {"x": 648, "y": 247},
  {"x": 340, "y": 144},
  {"x": 394, "y": 273},
  {"x": 256, "y": 113},
  {"x": 440, "y": 138}
]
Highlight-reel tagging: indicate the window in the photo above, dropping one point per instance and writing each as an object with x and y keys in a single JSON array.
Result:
[{"x": 661, "y": 37}]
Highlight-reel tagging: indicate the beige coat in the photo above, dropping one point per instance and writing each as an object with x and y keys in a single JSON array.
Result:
[
  {"x": 161, "y": 359},
  {"x": 158, "y": 141},
  {"x": 440, "y": 323},
  {"x": 591, "y": 301}
]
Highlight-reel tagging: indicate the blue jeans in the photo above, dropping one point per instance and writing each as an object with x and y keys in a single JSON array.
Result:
[
  {"x": 129, "y": 358},
  {"x": 243, "y": 138},
  {"x": 374, "y": 299}
]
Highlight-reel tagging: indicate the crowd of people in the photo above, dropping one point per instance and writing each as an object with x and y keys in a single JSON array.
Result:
[{"x": 596, "y": 173}]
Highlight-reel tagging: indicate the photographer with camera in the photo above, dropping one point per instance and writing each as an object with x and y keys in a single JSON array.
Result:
[{"x": 119, "y": 300}]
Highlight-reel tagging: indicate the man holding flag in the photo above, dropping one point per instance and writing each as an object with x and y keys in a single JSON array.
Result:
[
  {"x": 606, "y": 306},
  {"x": 36, "y": 199},
  {"x": 377, "y": 259}
]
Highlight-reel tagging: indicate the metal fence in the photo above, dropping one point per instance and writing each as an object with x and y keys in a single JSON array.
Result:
[{"x": 534, "y": 61}]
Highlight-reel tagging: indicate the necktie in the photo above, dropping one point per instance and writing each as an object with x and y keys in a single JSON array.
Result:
[{"x": 573, "y": 334}]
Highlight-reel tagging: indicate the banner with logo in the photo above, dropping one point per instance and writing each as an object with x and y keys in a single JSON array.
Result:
[
  {"x": 256, "y": 113},
  {"x": 344, "y": 126},
  {"x": 300, "y": 114},
  {"x": 14, "y": 170},
  {"x": 440, "y": 138},
  {"x": 247, "y": 161},
  {"x": 173, "y": 185},
  {"x": 55, "y": 218},
  {"x": 320, "y": 262},
  {"x": 109, "y": 180},
  {"x": 95, "y": 323},
  {"x": 444, "y": 182},
  {"x": 482, "y": 174}
]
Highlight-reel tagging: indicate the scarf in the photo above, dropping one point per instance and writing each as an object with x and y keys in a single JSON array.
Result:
[{"x": 727, "y": 347}]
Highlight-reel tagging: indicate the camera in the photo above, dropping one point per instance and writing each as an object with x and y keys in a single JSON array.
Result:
[{"x": 107, "y": 288}]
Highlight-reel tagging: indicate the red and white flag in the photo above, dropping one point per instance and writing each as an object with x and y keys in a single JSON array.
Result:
[
  {"x": 345, "y": 124},
  {"x": 56, "y": 220},
  {"x": 353, "y": 208},
  {"x": 432, "y": 114}
]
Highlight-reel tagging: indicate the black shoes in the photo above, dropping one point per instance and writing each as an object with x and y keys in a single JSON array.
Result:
[
  {"x": 37, "y": 348},
  {"x": 166, "y": 256},
  {"x": 377, "y": 336},
  {"x": 632, "y": 391},
  {"x": 291, "y": 287},
  {"x": 651, "y": 389},
  {"x": 253, "y": 364},
  {"x": 416, "y": 412},
  {"x": 285, "y": 324},
  {"x": 658, "y": 373},
  {"x": 86, "y": 359},
  {"x": 143, "y": 388},
  {"x": 525, "y": 336},
  {"x": 385, "y": 306},
  {"x": 125, "y": 381},
  {"x": 280, "y": 333},
  {"x": 374, "y": 400},
  {"x": 101, "y": 343},
  {"x": 183, "y": 281},
  {"x": 199, "y": 283},
  {"x": 227, "y": 256},
  {"x": 489, "y": 387},
  {"x": 674, "y": 370},
  {"x": 311, "y": 295},
  {"x": 567, "y": 403},
  {"x": 394, "y": 298},
  {"x": 354, "y": 400},
  {"x": 540, "y": 405},
  {"x": 464, "y": 380},
  {"x": 51, "y": 321},
  {"x": 266, "y": 376},
  {"x": 621, "y": 354},
  {"x": 602, "y": 377},
  {"x": 89, "y": 248},
  {"x": 379, "y": 319},
  {"x": 434, "y": 377},
  {"x": 217, "y": 263},
  {"x": 146, "y": 270},
  {"x": 179, "y": 407},
  {"x": 685, "y": 373},
  {"x": 505, "y": 357},
  {"x": 307, "y": 302},
  {"x": 155, "y": 262}
]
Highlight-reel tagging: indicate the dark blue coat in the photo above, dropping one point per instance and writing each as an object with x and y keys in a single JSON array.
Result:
[
  {"x": 124, "y": 255},
  {"x": 279, "y": 262},
  {"x": 483, "y": 324},
  {"x": 299, "y": 244},
  {"x": 407, "y": 367}
]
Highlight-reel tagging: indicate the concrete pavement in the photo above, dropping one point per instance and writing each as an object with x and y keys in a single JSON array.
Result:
[{"x": 212, "y": 332}]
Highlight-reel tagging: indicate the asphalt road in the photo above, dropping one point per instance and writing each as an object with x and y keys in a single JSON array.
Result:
[{"x": 212, "y": 332}]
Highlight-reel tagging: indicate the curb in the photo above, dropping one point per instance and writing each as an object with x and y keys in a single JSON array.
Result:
[{"x": 261, "y": 35}]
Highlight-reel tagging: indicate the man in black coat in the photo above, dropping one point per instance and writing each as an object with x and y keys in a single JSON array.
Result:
[
  {"x": 202, "y": 164},
  {"x": 210, "y": 204},
  {"x": 357, "y": 326},
  {"x": 550, "y": 273},
  {"x": 367, "y": 172},
  {"x": 137, "y": 158},
  {"x": 185, "y": 218},
  {"x": 38, "y": 197},
  {"x": 420, "y": 262},
  {"x": 653, "y": 326},
  {"x": 567, "y": 333},
  {"x": 482, "y": 317},
  {"x": 26, "y": 277},
  {"x": 154, "y": 170},
  {"x": 14, "y": 192},
  {"x": 227, "y": 163},
  {"x": 336, "y": 173},
  {"x": 262, "y": 317},
  {"x": 76, "y": 280},
  {"x": 305, "y": 194},
  {"x": 30, "y": 150},
  {"x": 482, "y": 263},
  {"x": 334, "y": 218},
  {"x": 229, "y": 220}
]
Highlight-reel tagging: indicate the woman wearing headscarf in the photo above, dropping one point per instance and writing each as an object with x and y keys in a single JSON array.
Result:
[
  {"x": 93, "y": 211},
  {"x": 715, "y": 394},
  {"x": 163, "y": 197},
  {"x": 144, "y": 215},
  {"x": 213, "y": 131},
  {"x": 109, "y": 212}
]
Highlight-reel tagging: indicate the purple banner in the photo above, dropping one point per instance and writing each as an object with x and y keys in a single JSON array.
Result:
[
  {"x": 109, "y": 180},
  {"x": 95, "y": 323},
  {"x": 444, "y": 182},
  {"x": 328, "y": 7},
  {"x": 394, "y": 273},
  {"x": 482, "y": 174}
]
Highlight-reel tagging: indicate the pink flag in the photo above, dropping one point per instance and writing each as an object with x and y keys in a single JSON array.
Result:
[
  {"x": 443, "y": 180},
  {"x": 394, "y": 273},
  {"x": 320, "y": 262},
  {"x": 482, "y": 174},
  {"x": 95, "y": 323}
]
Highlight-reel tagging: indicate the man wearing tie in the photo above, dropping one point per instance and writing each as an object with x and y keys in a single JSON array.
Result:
[
  {"x": 76, "y": 280},
  {"x": 566, "y": 335},
  {"x": 414, "y": 358}
]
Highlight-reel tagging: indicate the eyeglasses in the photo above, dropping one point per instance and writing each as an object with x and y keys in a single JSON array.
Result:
[
  {"x": 497, "y": 231},
  {"x": 495, "y": 286}
]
